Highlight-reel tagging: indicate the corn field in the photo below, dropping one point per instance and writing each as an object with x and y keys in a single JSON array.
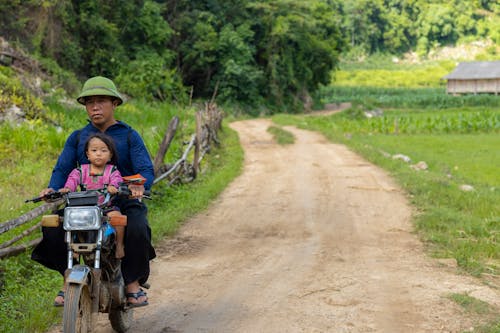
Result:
[
  {"x": 466, "y": 122},
  {"x": 407, "y": 98}
]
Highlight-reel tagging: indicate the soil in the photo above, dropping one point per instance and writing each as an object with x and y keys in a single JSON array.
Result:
[{"x": 309, "y": 238}]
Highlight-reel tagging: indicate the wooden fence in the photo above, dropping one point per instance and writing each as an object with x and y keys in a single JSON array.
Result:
[{"x": 208, "y": 124}]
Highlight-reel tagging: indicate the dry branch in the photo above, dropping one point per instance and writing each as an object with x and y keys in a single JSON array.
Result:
[
  {"x": 14, "y": 250},
  {"x": 179, "y": 162},
  {"x": 20, "y": 236},
  {"x": 165, "y": 144},
  {"x": 196, "y": 158},
  {"x": 28, "y": 216}
]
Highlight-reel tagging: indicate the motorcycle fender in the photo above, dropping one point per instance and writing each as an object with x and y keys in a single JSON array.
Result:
[{"x": 78, "y": 274}]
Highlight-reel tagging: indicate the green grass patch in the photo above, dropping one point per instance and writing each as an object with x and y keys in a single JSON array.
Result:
[
  {"x": 409, "y": 98},
  {"x": 482, "y": 311},
  {"x": 281, "y": 136},
  {"x": 417, "y": 121},
  {"x": 390, "y": 78},
  {"x": 471, "y": 304}
]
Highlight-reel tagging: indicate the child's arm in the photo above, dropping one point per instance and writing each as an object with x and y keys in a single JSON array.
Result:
[
  {"x": 114, "y": 181},
  {"x": 111, "y": 189},
  {"x": 115, "y": 178},
  {"x": 73, "y": 180}
]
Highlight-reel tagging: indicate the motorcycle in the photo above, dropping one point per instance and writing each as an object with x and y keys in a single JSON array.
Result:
[{"x": 94, "y": 283}]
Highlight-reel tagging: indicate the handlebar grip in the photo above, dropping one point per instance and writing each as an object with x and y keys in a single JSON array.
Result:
[
  {"x": 36, "y": 199},
  {"x": 49, "y": 196},
  {"x": 123, "y": 191}
]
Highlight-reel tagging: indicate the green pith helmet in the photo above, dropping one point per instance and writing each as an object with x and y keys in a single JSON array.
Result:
[{"x": 99, "y": 86}]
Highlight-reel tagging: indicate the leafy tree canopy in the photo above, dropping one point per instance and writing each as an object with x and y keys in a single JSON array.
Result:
[{"x": 268, "y": 52}]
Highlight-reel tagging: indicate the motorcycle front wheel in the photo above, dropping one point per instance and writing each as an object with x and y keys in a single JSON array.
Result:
[
  {"x": 77, "y": 315},
  {"x": 121, "y": 319}
]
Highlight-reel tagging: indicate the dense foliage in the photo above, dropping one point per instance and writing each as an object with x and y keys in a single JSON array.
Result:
[
  {"x": 401, "y": 25},
  {"x": 273, "y": 52},
  {"x": 278, "y": 51}
]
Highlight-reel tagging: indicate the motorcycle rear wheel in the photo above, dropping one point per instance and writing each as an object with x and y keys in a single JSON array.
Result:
[
  {"x": 77, "y": 315},
  {"x": 121, "y": 319}
]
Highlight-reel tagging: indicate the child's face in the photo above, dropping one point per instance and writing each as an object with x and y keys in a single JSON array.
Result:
[{"x": 98, "y": 152}]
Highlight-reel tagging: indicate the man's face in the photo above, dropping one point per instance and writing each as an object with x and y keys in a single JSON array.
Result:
[{"x": 100, "y": 110}]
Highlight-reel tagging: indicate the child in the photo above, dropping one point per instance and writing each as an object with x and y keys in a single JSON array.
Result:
[{"x": 99, "y": 174}]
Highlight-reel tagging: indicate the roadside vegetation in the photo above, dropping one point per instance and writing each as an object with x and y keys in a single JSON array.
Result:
[
  {"x": 480, "y": 308},
  {"x": 281, "y": 136},
  {"x": 443, "y": 154}
]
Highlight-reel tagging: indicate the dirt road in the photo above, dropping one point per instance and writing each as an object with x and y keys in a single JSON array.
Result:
[{"x": 310, "y": 238}]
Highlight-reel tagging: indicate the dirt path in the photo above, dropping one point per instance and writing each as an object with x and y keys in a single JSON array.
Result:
[{"x": 310, "y": 238}]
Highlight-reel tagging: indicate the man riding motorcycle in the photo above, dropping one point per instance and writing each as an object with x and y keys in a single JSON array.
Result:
[{"x": 100, "y": 98}]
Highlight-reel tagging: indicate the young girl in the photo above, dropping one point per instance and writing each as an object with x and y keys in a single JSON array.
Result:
[{"x": 99, "y": 174}]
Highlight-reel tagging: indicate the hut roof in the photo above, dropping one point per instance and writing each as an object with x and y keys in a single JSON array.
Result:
[{"x": 475, "y": 70}]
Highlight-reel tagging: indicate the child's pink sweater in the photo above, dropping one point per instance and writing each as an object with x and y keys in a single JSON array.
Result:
[{"x": 82, "y": 176}]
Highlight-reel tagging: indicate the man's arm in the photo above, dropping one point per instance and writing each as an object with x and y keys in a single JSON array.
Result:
[
  {"x": 141, "y": 160},
  {"x": 66, "y": 162}
]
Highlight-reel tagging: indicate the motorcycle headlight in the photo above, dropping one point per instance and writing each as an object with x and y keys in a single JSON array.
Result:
[{"x": 82, "y": 218}]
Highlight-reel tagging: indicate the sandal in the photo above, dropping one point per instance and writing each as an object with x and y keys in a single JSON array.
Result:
[
  {"x": 136, "y": 296},
  {"x": 59, "y": 294}
]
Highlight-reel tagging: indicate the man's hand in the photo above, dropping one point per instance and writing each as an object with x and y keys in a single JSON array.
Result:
[
  {"x": 136, "y": 191},
  {"x": 46, "y": 191}
]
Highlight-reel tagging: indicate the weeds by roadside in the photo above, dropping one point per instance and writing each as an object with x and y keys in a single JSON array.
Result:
[{"x": 281, "y": 136}]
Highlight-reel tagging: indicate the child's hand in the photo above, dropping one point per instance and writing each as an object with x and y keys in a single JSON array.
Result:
[
  {"x": 112, "y": 189},
  {"x": 64, "y": 190}
]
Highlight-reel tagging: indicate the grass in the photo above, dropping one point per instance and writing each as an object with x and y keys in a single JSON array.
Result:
[
  {"x": 27, "y": 289},
  {"x": 281, "y": 136},
  {"x": 471, "y": 304},
  {"x": 475, "y": 306},
  {"x": 431, "y": 98},
  {"x": 415, "y": 121}
]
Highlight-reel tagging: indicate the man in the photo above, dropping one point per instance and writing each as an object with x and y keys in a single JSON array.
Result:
[{"x": 100, "y": 97}]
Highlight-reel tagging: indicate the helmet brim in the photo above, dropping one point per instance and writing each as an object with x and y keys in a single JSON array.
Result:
[{"x": 99, "y": 91}]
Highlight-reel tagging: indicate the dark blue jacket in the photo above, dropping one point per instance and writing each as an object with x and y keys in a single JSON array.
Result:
[{"x": 133, "y": 156}]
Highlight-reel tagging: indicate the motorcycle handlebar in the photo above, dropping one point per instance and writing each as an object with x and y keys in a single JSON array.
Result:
[
  {"x": 51, "y": 196},
  {"x": 123, "y": 191}
]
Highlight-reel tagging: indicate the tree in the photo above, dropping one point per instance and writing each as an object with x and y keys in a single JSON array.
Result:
[
  {"x": 298, "y": 45},
  {"x": 364, "y": 23}
]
